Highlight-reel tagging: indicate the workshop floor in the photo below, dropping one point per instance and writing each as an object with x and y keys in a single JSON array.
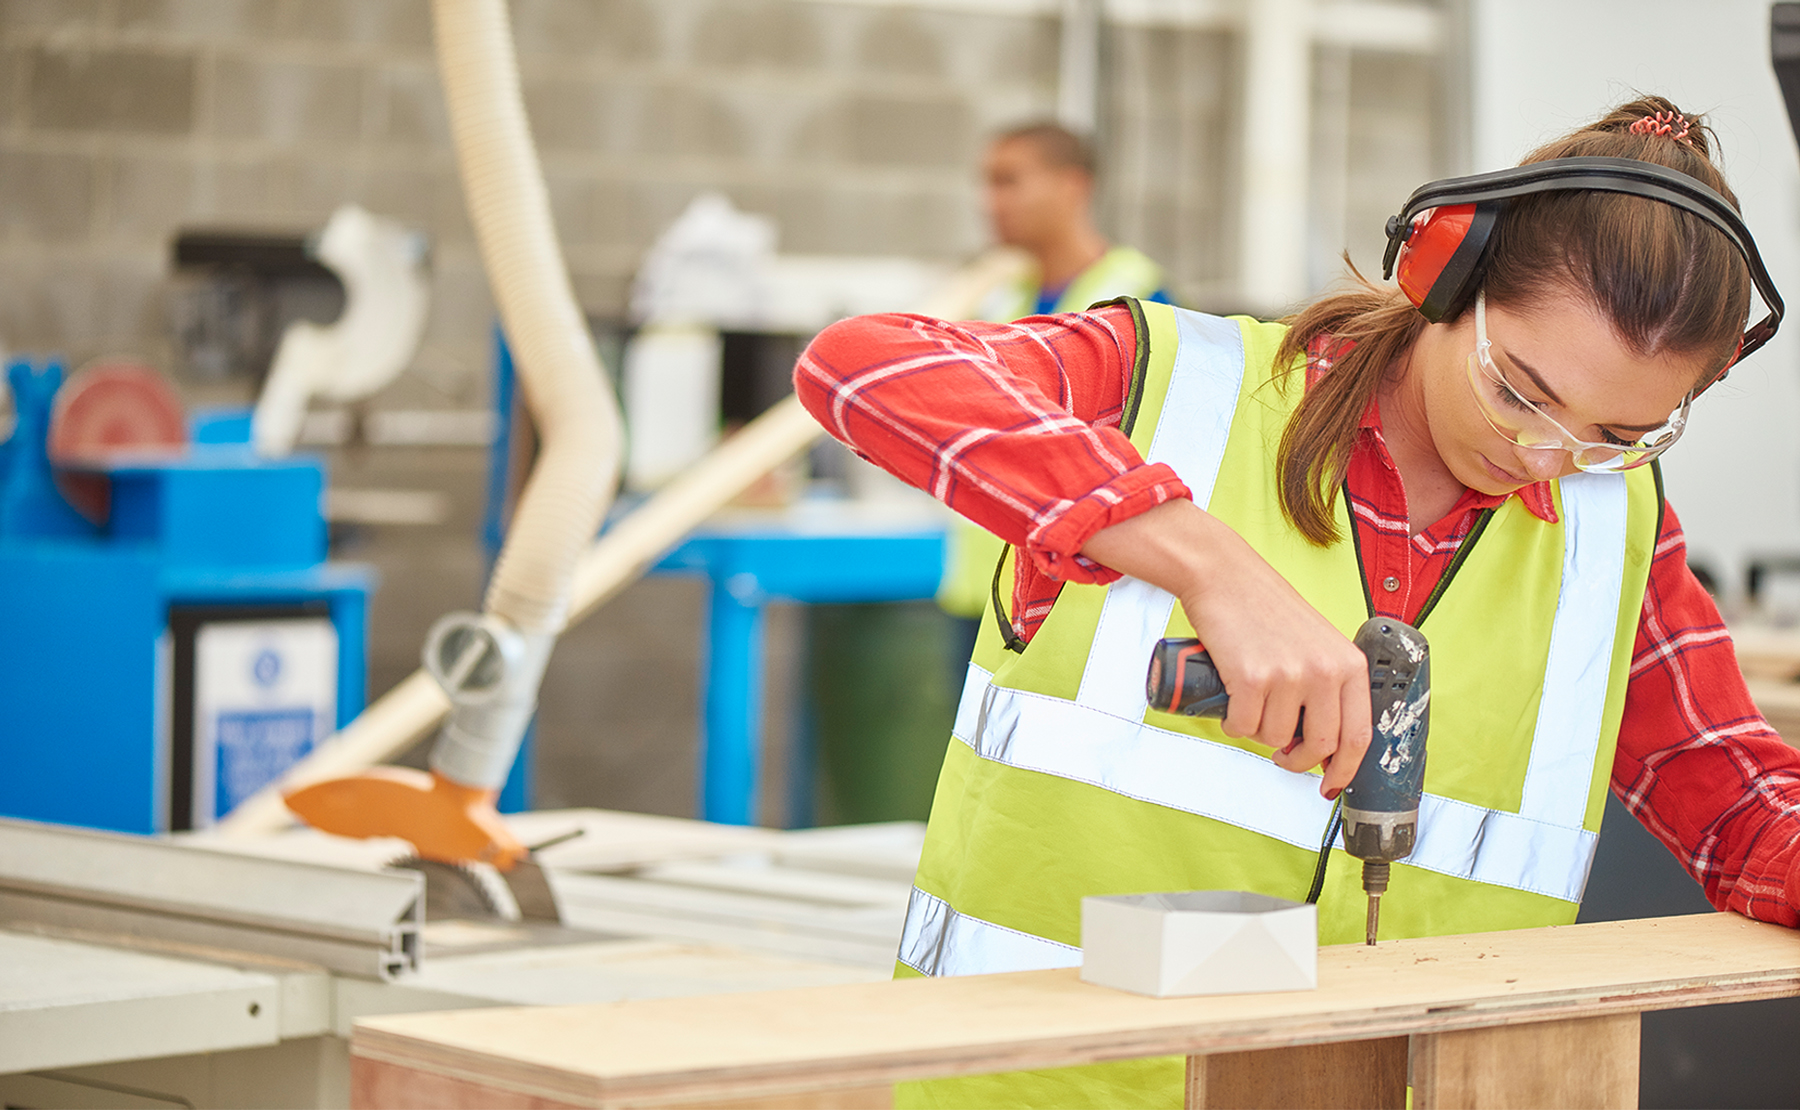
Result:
[{"x": 618, "y": 719}]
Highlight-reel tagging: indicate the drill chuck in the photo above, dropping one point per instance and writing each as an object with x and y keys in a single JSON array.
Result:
[
  {"x": 1375, "y": 878},
  {"x": 1380, "y": 837}
]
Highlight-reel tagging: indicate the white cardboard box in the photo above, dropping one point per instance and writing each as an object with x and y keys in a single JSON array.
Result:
[{"x": 1199, "y": 942}]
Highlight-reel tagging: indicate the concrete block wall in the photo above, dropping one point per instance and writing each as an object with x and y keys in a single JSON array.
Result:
[
  {"x": 1168, "y": 152},
  {"x": 856, "y": 126}
]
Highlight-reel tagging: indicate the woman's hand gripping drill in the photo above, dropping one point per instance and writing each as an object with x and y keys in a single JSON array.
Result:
[{"x": 1276, "y": 654}]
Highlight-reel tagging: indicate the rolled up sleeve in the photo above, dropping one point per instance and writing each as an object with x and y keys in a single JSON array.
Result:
[{"x": 1014, "y": 426}]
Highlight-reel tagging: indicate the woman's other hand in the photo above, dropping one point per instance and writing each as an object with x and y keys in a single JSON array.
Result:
[{"x": 1276, "y": 654}]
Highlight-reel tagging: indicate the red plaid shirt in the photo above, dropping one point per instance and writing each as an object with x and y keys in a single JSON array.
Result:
[{"x": 1015, "y": 426}]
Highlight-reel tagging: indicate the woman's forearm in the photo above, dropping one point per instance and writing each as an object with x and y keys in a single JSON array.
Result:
[{"x": 1013, "y": 425}]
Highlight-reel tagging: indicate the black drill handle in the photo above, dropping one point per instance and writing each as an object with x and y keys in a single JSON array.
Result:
[{"x": 1183, "y": 680}]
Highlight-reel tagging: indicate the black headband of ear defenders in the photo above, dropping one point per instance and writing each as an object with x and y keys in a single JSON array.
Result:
[{"x": 1612, "y": 175}]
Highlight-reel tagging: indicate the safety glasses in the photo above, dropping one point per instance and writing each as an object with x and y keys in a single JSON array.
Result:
[{"x": 1509, "y": 413}]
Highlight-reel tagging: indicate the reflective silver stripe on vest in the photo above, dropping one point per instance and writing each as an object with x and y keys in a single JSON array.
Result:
[
  {"x": 1567, "y": 740},
  {"x": 939, "y": 940},
  {"x": 1192, "y": 432},
  {"x": 1036, "y": 732}
]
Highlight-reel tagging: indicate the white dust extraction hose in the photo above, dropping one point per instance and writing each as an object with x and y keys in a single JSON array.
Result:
[
  {"x": 565, "y": 388},
  {"x": 396, "y": 720}
]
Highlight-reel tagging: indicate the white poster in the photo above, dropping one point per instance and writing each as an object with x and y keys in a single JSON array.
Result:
[{"x": 265, "y": 694}]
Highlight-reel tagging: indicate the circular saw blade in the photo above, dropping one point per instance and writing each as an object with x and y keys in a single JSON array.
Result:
[
  {"x": 453, "y": 892},
  {"x": 109, "y": 407}
]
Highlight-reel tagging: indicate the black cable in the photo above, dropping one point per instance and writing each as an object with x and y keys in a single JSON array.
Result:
[{"x": 1331, "y": 833}]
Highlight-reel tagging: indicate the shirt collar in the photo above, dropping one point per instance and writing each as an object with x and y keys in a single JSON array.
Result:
[{"x": 1537, "y": 498}]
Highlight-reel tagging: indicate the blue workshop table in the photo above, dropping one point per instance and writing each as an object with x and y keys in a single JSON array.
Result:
[{"x": 817, "y": 552}]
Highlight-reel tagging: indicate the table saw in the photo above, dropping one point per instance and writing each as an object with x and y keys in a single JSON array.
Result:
[{"x": 203, "y": 972}]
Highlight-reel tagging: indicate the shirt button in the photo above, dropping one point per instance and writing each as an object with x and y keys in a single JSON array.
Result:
[{"x": 1390, "y": 583}]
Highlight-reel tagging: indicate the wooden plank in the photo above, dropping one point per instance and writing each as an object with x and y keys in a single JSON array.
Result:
[
  {"x": 615, "y": 841},
  {"x": 614, "y": 971},
  {"x": 822, "y": 888},
  {"x": 888, "y": 850},
  {"x": 1347, "y": 1075},
  {"x": 861, "y": 1035},
  {"x": 862, "y": 934},
  {"x": 1582, "y": 1064},
  {"x": 862, "y": 920},
  {"x": 1764, "y": 652},
  {"x": 1779, "y": 703},
  {"x": 751, "y": 935},
  {"x": 376, "y": 1083},
  {"x": 878, "y": 1097}
]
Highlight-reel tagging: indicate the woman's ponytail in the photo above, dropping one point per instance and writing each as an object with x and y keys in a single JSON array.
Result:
[{"x": 1365, "y": 330}]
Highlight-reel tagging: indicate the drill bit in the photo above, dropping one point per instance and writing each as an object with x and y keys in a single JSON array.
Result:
[{"x": 1375, "y": 884}]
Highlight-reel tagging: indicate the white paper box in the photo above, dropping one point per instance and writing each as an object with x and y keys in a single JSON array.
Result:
[{"x": 1199, "y": 942}]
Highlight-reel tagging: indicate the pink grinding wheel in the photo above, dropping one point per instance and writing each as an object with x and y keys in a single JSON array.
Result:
[{"x": 109, "y": 408}]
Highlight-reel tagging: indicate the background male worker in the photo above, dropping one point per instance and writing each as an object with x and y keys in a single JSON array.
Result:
[{"x": 1040, "y": 194}]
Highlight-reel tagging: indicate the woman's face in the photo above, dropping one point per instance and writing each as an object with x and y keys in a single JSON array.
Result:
[{"x": 1563, "y": 356}]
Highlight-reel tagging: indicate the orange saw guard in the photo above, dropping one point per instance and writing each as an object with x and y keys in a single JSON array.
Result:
[{"x": 442, "y": 819}]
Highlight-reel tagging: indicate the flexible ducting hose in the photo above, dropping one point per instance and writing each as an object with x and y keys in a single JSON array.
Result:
[
  {"x": 565, "y": 388},
  {"x": 396, "y": 720}
]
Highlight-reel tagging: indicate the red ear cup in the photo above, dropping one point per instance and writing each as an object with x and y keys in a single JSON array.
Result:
[{"x": 1436, "y": 235}]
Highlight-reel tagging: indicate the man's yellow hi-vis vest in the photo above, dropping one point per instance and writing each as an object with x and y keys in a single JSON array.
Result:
[
  {"x": 1120, "y": 272},
  {"x": 1061, "y": 782}
]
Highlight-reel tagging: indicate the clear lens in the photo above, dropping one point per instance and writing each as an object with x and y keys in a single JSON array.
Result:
[{"x": 1519, "y": 420}]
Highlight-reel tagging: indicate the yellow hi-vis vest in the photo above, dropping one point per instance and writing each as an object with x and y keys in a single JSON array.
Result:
[
  {"x": 1062, "y": 782},
  {"x": 1120, "y": 272},
  {"x": 972, "y": 551}
]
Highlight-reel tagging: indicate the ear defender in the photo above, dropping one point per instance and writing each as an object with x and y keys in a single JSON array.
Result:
[
  {"x": 1437, "y": 247},
  {"x": 1438, "y": 257}
]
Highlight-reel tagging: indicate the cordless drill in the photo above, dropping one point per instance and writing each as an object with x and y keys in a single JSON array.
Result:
[{"x": 1381, "y": 804}]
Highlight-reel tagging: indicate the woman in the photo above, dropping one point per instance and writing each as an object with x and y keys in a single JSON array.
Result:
[{"x": 1282, "y": 483}]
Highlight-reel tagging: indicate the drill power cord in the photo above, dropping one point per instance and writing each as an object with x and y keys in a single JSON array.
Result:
[{"x": 1332, "y": 828}]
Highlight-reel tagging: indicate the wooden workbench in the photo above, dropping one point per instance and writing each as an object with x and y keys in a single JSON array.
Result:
[{"x": 1540, "y": 1017}]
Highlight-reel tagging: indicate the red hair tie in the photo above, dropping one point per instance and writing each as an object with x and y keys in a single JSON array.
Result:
[{"x": 1673, "y": 125}]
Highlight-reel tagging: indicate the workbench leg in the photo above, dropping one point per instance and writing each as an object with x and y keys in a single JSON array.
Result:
[
  {"x": 1347, "y": 1075},
  {"x": 731, "y": 734},
  {"x": 1579, "y": 1064}
]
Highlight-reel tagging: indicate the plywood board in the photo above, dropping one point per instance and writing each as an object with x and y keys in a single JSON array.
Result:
[
  {"x": 862, "y": 1035},
  {"x": 1347, "y": 1075},
  {"x": 1584, "y": 1064}
]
